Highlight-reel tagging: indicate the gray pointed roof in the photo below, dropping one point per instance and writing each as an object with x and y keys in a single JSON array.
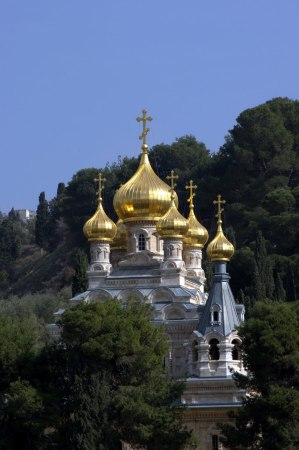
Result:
[{"x": 220, "y": 299}]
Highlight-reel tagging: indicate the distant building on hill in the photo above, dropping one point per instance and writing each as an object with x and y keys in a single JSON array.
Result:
[{"x": 26, "y": 214}]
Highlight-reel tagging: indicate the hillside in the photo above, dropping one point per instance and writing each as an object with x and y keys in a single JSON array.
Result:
[{"x": 256, "y": 171}]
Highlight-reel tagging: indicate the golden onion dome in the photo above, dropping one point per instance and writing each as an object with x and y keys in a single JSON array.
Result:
[
  {"x": 220, "y": 249},
  {"x": 145, "y": 196},
  {"x": 99, "y": 227},
  {"x": 172, "y": 224},
  {"x": 120, "y": 239},
  {"x": 197, "y": 235}
]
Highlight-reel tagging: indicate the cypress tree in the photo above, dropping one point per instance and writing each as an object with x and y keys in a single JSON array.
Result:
[
  {"x": 291, "y": 294},
  {"x": 60, "y": 189},
  {"x": 80, "y": 280},
  {"x": 42, "y": 219},
  {"x": 55, "y": 230},
  {"x": 279, "y": 293},
  {"x": 263, "y": 274}
]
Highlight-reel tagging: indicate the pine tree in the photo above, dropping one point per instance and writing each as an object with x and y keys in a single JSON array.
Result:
[
  {"x": 80, "y": 280},
  {"x": 42, "y": 218},
  {"x": 269, "y": 416}
]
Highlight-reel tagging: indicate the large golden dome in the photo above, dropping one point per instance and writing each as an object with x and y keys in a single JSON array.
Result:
[
  {"x": 172, "y": 224},
  {"x": 145, "y": 196},
  {"x": 220, "y": 249},
  {"x": 197, "y": 235},
  {"x": 99, "y": 227}
]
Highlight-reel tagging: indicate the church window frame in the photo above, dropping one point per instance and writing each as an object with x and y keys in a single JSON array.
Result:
[
  {"x": 236, "y": 350},
  {"x": 216, "y": 314},
  {"x": 141, "y": 242},
  {"x": 214, "y": 352}
]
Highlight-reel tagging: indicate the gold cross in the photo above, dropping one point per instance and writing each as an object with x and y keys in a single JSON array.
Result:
[
  {"x": 145, "y": 130},
  {"x": 172, "y": 177},
  {"x": 101, "y": 181},
  {"x": 219, "y": 202},
  {"x": 191, "y": 187}
]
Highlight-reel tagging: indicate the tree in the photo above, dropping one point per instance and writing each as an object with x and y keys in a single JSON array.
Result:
[
  {"x": 80, "y": 279},
  {"x": 56, "y": 227},
  {"x": 21, "y": 409},
  {"x": 269, "y": 417},
  {"x": 20, "y": 403},
  {"x": 11, "y": 234},
  {"x": 42, "y": 217},
  {"x": 111, "y": 381},
  {"x": 263, "y": 274}
]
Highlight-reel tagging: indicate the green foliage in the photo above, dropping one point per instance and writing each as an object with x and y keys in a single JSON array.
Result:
[
  {"x": 56, "y": 229},
  {"x": 79, "y": 201},
  {"x": 40, "y": 306},
  {"x": 263, "y": 273},
  {"x": 80, "y": 279},
  {"x": 269, "y": 417},
  {"x": 18, "y": 340},
  {"x": 116, "y": 354},
  {"x": 21, "y": 409},
  {"x": 10, "y": 239},
  {"x": 42, "y": 221}
]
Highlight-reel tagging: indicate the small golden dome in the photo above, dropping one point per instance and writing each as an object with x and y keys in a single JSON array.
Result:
[
  {"x": 220, "y": 249},
  {"x": 172, "y": 224},
  {"x": 197, "y": 235},
  {"x": 120, "y": 239},
  {"x": 99, "y": 227},
  {"x": 145, "y": 196}
]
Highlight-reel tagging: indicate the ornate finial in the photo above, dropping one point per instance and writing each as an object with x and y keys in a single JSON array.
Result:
[
  {"x": 191, "y": 187},
  {"x": 219, "y": 202},
  {"x": 101, "y": 181},
  {"x": 145, "y": 130}
]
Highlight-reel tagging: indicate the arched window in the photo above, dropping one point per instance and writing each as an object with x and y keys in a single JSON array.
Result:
[
  {"x": 236, "y": 353},
  {"x": 194, "y": 351},
  {"x": 215, "y": 316},
  {"x": 141, "y": 242},
  {"x": 214, "y": 349}
]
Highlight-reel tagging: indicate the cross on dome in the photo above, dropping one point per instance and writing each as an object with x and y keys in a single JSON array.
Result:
[
  {"x": 172, "y": 177},
  {"x": 101, "y": 180},
  {"x": 145, "y": 130},
  {"x": 191, "y": 188},
  {"x": 219, "y": 202}
]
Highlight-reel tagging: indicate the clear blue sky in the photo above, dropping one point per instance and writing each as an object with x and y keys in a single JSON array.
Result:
[{"x": 75, "y": 74}]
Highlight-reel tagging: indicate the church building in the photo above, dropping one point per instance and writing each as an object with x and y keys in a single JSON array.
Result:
[{"x": 155, "y": 254}]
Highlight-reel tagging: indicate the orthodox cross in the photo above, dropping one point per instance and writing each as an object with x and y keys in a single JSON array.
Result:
[
  {"x": 145, "y": 130},
  {"x": 219, "y": 202},
  {"x": 101, "y": 181},
  {"x": 172, "y": 177},
  {"x": 191, "y": 187}
]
